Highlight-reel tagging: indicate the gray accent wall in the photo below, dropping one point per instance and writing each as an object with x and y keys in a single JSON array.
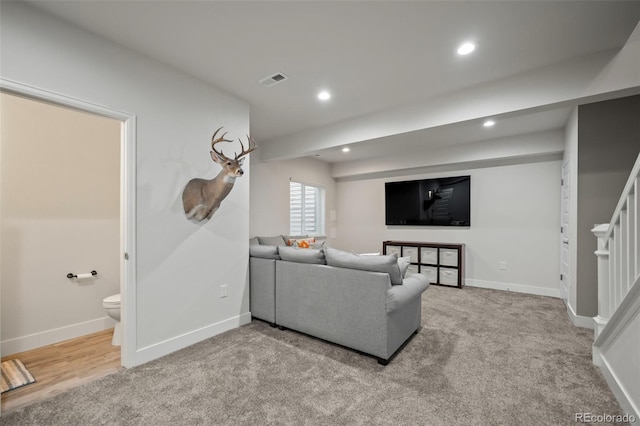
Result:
[{"x": 608, "y": 144}]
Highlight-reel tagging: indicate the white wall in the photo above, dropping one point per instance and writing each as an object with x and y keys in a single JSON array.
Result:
[
  {"x": 515, "y": 205},
  {"x": 180, "y": 265},
  {"x": 514, "y": 218},
  {"x": 270, "y": 192},
  {"x": 60, "y": 213}
]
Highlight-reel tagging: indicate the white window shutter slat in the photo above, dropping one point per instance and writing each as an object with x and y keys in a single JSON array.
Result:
[{"x": 306, "y": 204}]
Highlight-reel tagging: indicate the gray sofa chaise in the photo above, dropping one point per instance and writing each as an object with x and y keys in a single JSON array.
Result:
[{"x": 360, "y": 302}]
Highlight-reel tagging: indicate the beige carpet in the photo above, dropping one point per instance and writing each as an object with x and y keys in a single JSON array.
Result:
[{"x": 483, "y": 357}]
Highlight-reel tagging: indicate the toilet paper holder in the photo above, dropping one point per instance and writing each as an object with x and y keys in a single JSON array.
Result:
[{"x": 70, "y": 275}]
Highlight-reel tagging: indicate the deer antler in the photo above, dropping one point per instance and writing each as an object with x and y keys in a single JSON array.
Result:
[
  {"x": 252, "y": 146},
  {"x": 201, "y": 197},
  {"x": 214, "y": 141}
]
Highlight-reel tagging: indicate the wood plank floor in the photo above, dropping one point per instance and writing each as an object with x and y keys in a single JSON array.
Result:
[{"x": 62, "y": 366}]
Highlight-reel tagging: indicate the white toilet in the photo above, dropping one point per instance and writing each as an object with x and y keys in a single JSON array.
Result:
[{"x": 112, "y": 306}]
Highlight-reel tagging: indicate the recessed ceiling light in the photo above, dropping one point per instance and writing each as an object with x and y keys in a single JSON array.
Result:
[
  {"x": 466, "y": 48},
  {"x": 346, "y": 149},
  {"x": 489, "y": 123},
  {"x": 324, "y": 95}
]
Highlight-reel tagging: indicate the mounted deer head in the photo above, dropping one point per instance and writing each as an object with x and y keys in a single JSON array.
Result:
[{"x": 201, "y": 197}]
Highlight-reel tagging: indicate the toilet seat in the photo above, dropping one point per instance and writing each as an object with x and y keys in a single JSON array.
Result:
[{"x": 111, "y": 301}]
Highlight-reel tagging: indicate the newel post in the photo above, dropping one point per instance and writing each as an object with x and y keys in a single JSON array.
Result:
[{"x": 600, "y": 231}]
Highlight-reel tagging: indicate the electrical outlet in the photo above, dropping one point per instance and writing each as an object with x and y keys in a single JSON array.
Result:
[
  {"x": 224, "y": 290},
  {"x": 503, "y": 266},
  {"x": 333, "y": 233}
]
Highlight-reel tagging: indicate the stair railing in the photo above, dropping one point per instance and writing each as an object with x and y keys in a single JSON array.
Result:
[
  {"x": 616, "y": 348},
  {"x": 618, "y": 252}
]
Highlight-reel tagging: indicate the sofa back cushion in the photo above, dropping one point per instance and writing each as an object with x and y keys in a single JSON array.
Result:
[
  {"x": 293, "y": 254},
  {"x": 277, "y": 240},
  {"x": 384, "y": 263},
  {"x": 265, "y": 252}
]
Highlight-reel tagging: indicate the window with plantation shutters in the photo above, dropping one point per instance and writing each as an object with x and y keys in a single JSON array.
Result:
[{"x": 306, "y": 207}]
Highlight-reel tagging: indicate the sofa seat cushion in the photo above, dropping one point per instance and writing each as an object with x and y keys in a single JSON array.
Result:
[
  {"x": 382, "y": 263},
  {"x": 292, "y": 254},
  {"x": 265, "y": 252}
]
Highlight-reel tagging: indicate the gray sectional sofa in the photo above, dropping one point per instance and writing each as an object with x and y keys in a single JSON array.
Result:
[{"x": 361, "y": 302}]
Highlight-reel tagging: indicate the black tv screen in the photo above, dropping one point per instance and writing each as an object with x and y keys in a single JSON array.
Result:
[{"x": 429, "y": 202}]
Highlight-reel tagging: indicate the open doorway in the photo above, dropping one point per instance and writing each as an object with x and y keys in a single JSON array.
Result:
[{"x": 66, "y": 209}]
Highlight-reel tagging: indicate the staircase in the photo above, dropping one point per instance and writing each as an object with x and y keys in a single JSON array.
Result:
[{"x": 616, "y": 347}]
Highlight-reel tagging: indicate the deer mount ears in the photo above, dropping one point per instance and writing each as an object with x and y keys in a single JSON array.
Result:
[
  {"x": 222, "y": 159},
  {"x": 217, "y": 157}
]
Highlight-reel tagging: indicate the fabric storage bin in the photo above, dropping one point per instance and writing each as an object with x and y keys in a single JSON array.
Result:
[
  {"x": 431, "y": 272},
  {"x": 394, "y": 249},
  {"x": 412, "y": 269},
  {"x": 448, "y": 257},
  {"x": 412, "y": 252},
  {"x": 448, "y": 276},
  {"x": 429, "y": 255}
]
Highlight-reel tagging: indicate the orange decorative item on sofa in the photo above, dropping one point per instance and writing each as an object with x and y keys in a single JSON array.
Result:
[{"x": 302, "y": 242}]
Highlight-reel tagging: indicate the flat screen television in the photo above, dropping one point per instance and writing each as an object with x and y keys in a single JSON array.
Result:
[{"x": 429, "y": 202}]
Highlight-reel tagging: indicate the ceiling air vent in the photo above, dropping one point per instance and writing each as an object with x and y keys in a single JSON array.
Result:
[{"x": 274, "y": 79}]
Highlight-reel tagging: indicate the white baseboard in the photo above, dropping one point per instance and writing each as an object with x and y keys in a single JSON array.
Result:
[
  {"x": 166, "y": 347},
  {"x": 580, "y": 321},
  {"x": 517, "y": 288},
  {"x": 49, "y": 337}
]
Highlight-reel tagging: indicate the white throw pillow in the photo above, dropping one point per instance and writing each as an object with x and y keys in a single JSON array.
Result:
[{"x": 403, "y": 264}]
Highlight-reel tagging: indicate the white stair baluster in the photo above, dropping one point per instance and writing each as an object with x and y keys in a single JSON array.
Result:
[{"x": 616, "y": 348}]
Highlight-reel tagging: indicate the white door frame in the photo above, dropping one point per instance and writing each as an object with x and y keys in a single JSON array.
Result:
[
  {"x": 565, "y": 252},
  {"x": 127, "y": 200}
]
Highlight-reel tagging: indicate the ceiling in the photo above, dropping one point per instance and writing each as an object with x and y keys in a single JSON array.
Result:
[{"x": 372, "y": 56}]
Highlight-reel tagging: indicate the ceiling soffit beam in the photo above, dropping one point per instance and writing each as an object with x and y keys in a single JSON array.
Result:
[
  {"x": 416, "y": 172},
  {"x": 537, "y": 144},
  {"x": 569, "y": 83}
]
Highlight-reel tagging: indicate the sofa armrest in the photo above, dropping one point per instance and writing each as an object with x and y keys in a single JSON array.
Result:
[{"x": 399, "y": 295}]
